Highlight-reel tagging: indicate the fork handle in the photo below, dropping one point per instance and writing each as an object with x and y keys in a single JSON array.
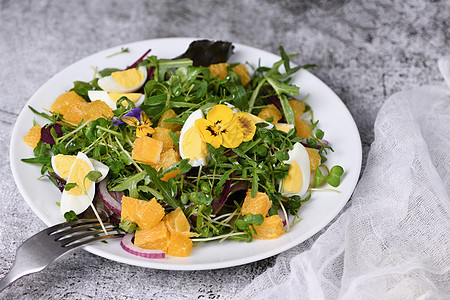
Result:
[{"x": 10, "y": 278}]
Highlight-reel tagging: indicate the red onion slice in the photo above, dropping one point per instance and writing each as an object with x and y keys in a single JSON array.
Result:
[
  {"x": 128, "y": 246},
  {"x": 112, "y": 203}
]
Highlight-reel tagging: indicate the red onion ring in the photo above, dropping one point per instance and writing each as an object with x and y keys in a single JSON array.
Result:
[
  {"x": 112, "y": 203},
  {"x": 128, "y": 246}
]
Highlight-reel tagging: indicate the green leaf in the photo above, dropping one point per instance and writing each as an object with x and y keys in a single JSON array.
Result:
[
  {"x": 319, "y": 134},
  {"x": 318, "y": 177},
  {"x": 162, "y": 186},
  {"x": 70, "y": 216},
  {"x": 239, "y": 97},
  {"x": 130, "y": 184},
  {"x": 252, "y": 219},
  {"x": 175, "y": 138},
  {"x": 108, "y": 71},
  {"x": 70, "y": 186},
  {"x": 334, "y": 178},
  {"x": 94, "y": 176},
  {"x": 147, "y": 189},
  {"x": 128, "y": 226}
]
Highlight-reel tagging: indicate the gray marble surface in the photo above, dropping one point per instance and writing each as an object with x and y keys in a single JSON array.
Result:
[{"x": 366, "y": 51}]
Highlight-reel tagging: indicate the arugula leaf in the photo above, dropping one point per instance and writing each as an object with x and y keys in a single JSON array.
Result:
[{"x": 162, "y": 186}]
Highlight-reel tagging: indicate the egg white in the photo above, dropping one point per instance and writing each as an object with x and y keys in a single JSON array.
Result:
[
  {"x": 190, "y": 123},
  {"x": 300, "y": 155},
  {"x": 108, "y": 83},
  {"x": 98, "y": 166},
  {"x": 78, "y": 203}
]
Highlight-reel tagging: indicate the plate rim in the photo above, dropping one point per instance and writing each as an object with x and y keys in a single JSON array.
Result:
[{"x": 206, "y": 266}]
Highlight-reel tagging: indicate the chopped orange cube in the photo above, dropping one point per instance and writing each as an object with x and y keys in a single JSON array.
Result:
[
  {"x": 33, "y": 136},
  {"x": 69, "y": 105},
  {"x": 242, "y": 71},
  {"x": 167, "y": 159},
  {"x": 303, "y": 129},
  {"x": 219, "y": 70},
  {"x": 270, "y": 111},
  {"x": 162, "y": 134},
  {"x": 298, "y": 107},
  {"x": 168, "y": 114},
  {"x": 156, "y": 238},
  {"x": 147, "y": 150},
  {"x": 179, "y": 244},
  {"x": 95, "y": 110},
  {"x": 258, "y": 205},
  {"x": 272, "y": 228},
  {"x": 177, "y": 221},
  {"x": 146, "y": 214}
]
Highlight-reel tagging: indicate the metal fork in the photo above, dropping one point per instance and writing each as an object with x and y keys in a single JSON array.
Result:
[{"x": 40, "y": 250}]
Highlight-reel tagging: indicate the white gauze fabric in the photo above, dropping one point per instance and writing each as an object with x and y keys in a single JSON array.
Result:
[{"x": 393, "y": 241}]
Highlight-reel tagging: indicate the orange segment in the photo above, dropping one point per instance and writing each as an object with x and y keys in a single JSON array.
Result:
[
  {"x": 33, "y": 136},
  {"x": 170, "y": 113},
  {"x": 146, "y": 214},
  {"x": 162, "y": 134},
  {"x": 314, "y": 159},
  {"x": 177, "y": 221},
  {"x": 242, "y": 71},
  {"x": 69, "y": 105},
  {"x": 156, "y": 238},
  {"x": 298, "y": 107},
  {"x": 270, "y": 111},
  {"x": 258, "y": 205},
  {"x": 147, "y": 150},
  {"x": 168, "y": 158},
  {"x": 219, "y": 70},
  {"x": 95, "y": 110},
  {"x": 179, "y": 245},
  {"x": 271, "y": 228},
  {"x": 303, "y": 129}
]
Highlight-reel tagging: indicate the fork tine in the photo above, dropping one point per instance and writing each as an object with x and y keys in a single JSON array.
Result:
[
  {"x": 72, "y": 224},
  {"x": 83, "y": 227},
  {"x": 64, "y": 241},
  {"x": 97, "y": 238}
]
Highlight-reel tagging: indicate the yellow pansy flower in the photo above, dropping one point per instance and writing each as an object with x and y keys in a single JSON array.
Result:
[
  {"x": 142, "y": 126},
  {"x": 222, "y": 127}
]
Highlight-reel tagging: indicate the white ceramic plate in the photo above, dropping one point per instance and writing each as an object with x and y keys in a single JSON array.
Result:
[{"x": 335, "y": 120}]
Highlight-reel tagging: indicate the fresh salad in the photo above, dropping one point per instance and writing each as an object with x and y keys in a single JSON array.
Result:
[{"x": 185, "y": 150}]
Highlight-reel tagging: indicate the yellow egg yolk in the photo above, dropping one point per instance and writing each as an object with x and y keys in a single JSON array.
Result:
[
  {"x": 283, "y": 127},
  {"x": 63, "y": 164},
  {"x": 128, "y": 78},
  {"x": 193, "y": 146},
  {"x": 133, "y": 97},
  {"x": 78, "y": 174},
  {"x": 294, "y": 181}
]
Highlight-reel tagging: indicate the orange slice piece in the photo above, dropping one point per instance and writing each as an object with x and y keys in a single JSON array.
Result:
[
  {"x": 147, "y": 150},
  {"x": 156, "y": 238},
  {"x": 258, "y": 205},
  {"x": 33, "y": 136},
  {"x": 146, "y": 214},
  {"x": 69, "y": 105},
  {"x": 271, "y": 228}
]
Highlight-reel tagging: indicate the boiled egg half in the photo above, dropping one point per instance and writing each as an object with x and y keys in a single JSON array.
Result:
[
  {"x": 111, "y": 98},
  {"x": 74, "y": 169},
  {"x": 191, "y": 144},
  {"x": 127, "y": 81},
  {"x": 297, "y": 181}
]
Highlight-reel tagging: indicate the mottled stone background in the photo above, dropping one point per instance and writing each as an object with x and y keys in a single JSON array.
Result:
[{"x": 366, "y": 51}]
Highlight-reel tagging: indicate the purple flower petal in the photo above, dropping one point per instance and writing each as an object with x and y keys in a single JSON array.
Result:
[{"x": 135, "y": 112}]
